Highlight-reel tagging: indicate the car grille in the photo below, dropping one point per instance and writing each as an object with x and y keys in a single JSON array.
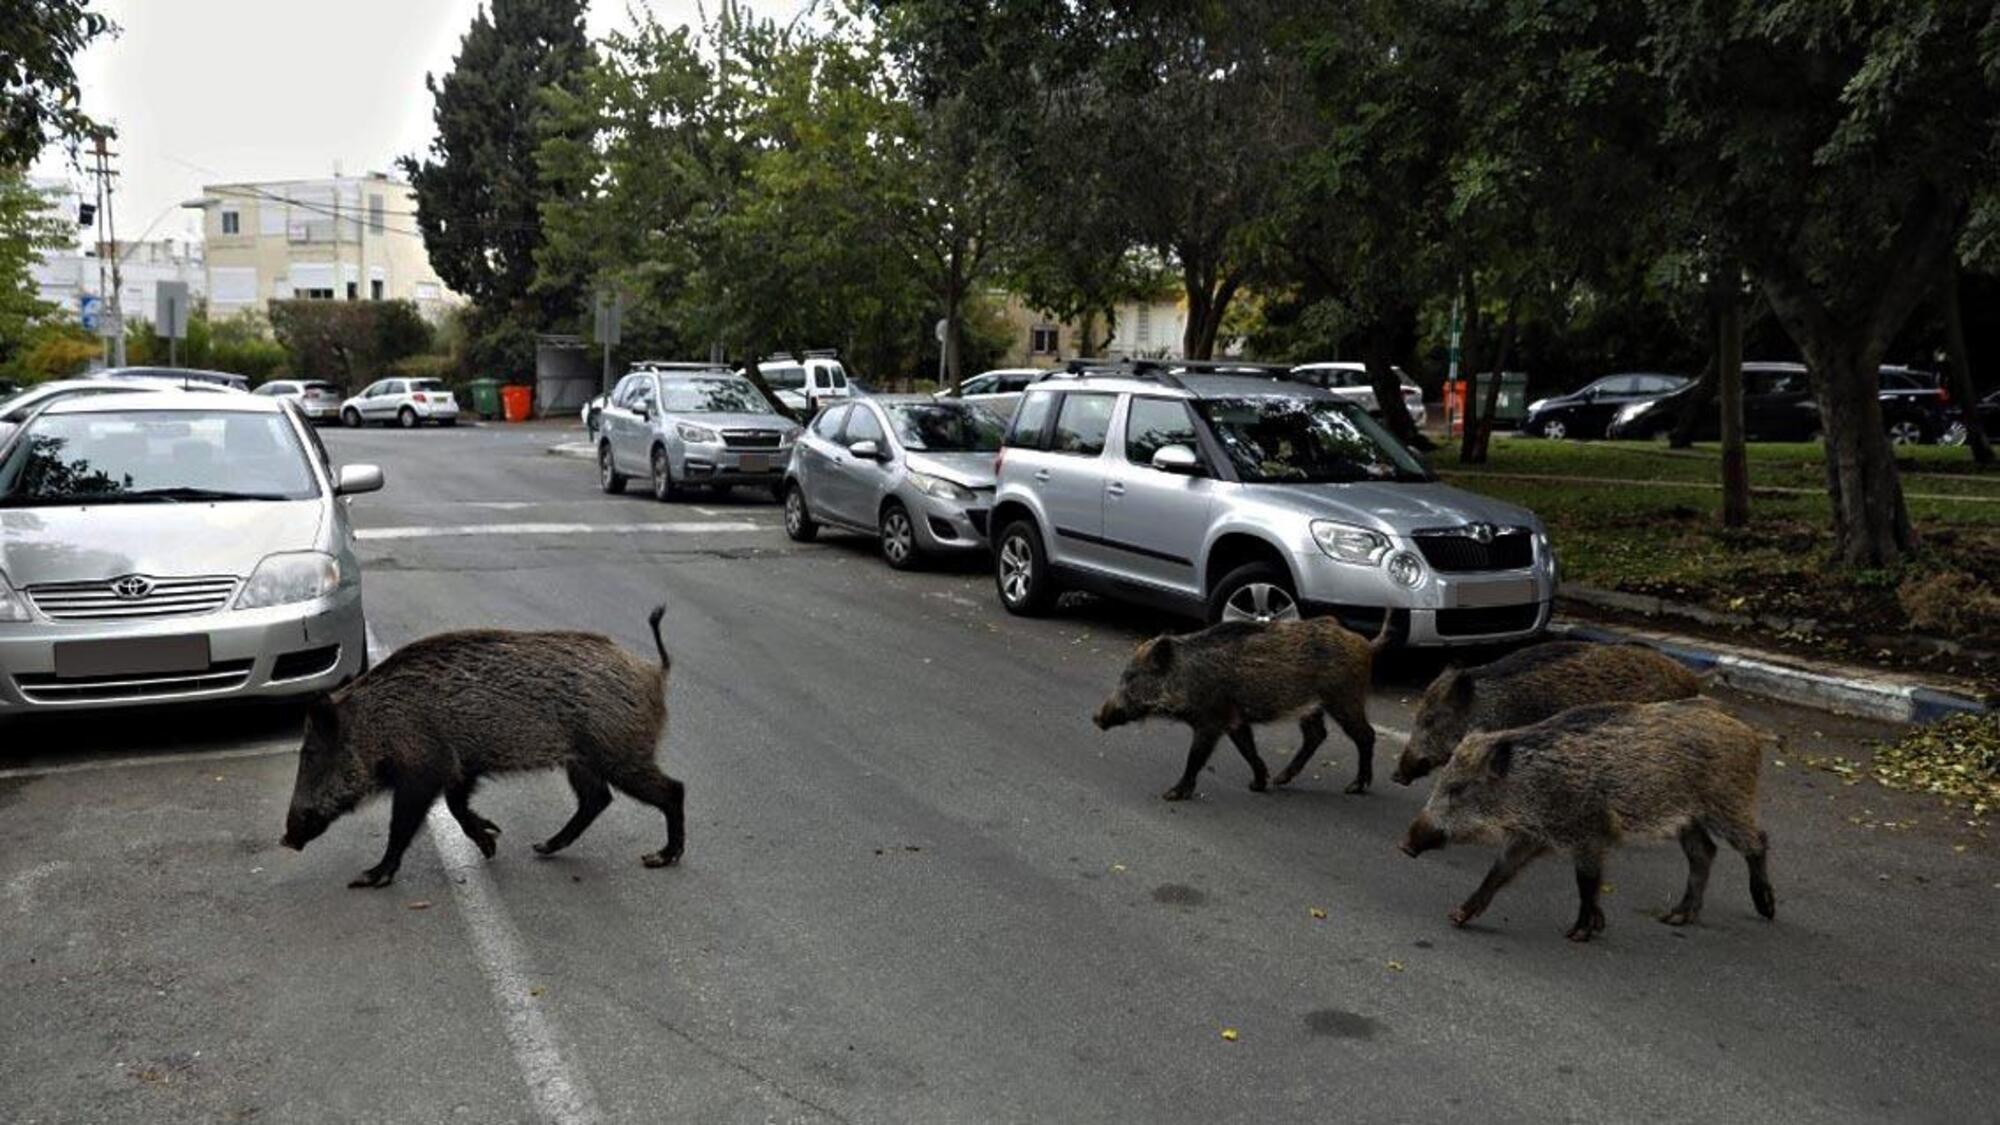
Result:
[
  {"x": 1488, "y": 621},
  {"x": 311, "y": 662},
  {"x": 99, "y": 601},
  {"x": 222, "y": 675},
  {"x": 752, "y": 439},
  {"x": 1456, "y": 552}
]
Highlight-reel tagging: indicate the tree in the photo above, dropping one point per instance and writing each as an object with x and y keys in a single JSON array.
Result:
[
  {"x": 28, "y": 229},
  {"x": 1837, "y": 149},
  {"x": 481, "y": 191},
  {"x": 348, "y": 342},
  {"x": 39, "y": 96}
]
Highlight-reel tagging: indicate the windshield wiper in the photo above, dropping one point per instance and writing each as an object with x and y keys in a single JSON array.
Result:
[
  {"x": 197, "y": 494},
  {"x": 140, "y": 496}
]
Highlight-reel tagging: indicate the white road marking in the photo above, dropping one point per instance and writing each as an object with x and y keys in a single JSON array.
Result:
[
  {"x": 460, "y": 530},
  {"x": 557, "y": 1087},
  {"x": 270, "y": 750}
]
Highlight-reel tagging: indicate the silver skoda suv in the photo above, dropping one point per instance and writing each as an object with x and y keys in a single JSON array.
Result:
[{"x": 1225, "y": 490}]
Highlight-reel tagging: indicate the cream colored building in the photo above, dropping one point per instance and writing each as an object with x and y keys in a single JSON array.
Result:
[
  {"x": 1140, "y": 330},
  {"x": 344, "y": 238}
]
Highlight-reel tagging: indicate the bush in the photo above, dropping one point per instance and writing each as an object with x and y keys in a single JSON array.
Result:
[
  {"x": 348, "y": 342},
  {"x": 57, "y": 351},
  {"x": 1952, "y": 602}
]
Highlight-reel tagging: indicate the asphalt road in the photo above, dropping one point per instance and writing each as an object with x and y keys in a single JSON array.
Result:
[{"x": 919, "y": 887}]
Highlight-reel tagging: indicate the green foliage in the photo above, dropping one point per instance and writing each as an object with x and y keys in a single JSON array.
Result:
[
  {"x": 349, "y": 343},
  {"x": 39, "y": 94},
  {"x": 27, "y": 229},
  {"x": 54, "y": 349}
]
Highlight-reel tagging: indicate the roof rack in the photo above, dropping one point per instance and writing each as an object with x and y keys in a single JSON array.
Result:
[
  {"x": 675, "y": 365},
  {"x": 1158, "y": 371}
]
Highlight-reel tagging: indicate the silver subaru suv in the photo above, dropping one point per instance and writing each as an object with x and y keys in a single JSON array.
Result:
[{"x": 1229, "y": 492}]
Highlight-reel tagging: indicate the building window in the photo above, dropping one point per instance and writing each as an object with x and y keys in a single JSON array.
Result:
[
  {"x": 375, "y": 289},
  {"x": 1142, "y": 330},
  {"x": 374, "y": 214},
  {"x": 231, "y": 222},
  {"x": 313, "y": 294},
  {"x": 353, "y": 290},
  {"x": 1042, "y": 340}
]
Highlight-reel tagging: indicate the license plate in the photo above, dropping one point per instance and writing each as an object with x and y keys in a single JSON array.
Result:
[
  {"x": 1517, "y": 591},
  {"x": 138, "y": 656},
  {"x": 754, "y": 462}
]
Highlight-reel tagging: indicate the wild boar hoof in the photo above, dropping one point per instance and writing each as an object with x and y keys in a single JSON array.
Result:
[
  {"x": 1284, "y": 777},
  {"x": 1462, "y": 916},
  {"x": 1580, "y": 933},
  {"x": 373, "y": 877},
  {"x": 1259, "y": 785},
  {"x": 661, "y": 858},
  {"x": 1679, "y": 918},
  {"x": 1177, "y": 793},
  {"x": 546, "y": 847},
  {"x": 485, "y": 843},
  {"x": 1359, "y": 785}
]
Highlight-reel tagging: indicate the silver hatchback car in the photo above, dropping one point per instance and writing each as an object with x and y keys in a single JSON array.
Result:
[
  {"x": 914, "y": 472},
  {"x": 682, "y": 425},
  {"x": 1253, "y": 498},
  {"x": 169, "y": 547}
]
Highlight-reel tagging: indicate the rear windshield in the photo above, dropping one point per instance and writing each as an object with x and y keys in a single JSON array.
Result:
[
  {"x": 1276, "y": 439},
  {"x": 155, "y": 456},
  {"x": 319, "y": 386},
  {"x": 427, "y": 385},
  {"x": 711, "y": 396},
  {"x": 785, "y": 378},
  {"x": 945, "y": 427}
]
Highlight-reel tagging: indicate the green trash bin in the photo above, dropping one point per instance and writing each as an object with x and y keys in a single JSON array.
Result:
[
  {"x": 1512, "y": 407},
  {"x": 485, "y": 398}
]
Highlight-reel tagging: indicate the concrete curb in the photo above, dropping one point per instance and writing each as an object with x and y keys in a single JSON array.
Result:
[{"x": 1755, "y": 673}]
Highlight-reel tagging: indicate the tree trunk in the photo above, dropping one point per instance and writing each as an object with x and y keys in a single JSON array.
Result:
[
  {"x": 1479, "y": 433},
  {"x": 1378, "y": 354},
  {"x": 954, "y": 311},
  {"x": 1871, "y": 527},
  {"x": 752, "y": 351},
  {"x": 1687, "y": 427},
  {"x": 1729, "y": 386},
  {"x": 1959, "y": 367}
]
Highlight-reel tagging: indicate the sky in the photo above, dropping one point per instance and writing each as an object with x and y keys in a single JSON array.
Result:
[{"x": 222, "y": 91}]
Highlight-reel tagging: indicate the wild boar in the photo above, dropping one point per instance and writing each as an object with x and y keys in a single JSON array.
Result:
[
  {"x": 1593, "y": 776},
  {"x": 441, "y": 713},
  {"x": 1226, "y": 678},
  {"x": 1530, "y": 685}
]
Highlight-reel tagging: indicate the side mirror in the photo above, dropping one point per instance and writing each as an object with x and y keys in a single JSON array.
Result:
[
  {"x": 1177, "y": 459},
  {"x": 866, "y": 450},
  {"x": 356, "y": 479}
]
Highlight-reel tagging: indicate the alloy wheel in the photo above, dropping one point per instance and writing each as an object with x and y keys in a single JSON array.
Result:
[
  {"x": 1905, "y": 432},
  {"x": 1554, "y": 430},
  {"x": 795, "y": 511},
  {"x": 663, "y": 479},
  {"x": 1261, "y": 601},
  {"x": 1954, "y": 434},
  {"x": 899, "y": 539},
  {"x": 1017, "y": 567}
]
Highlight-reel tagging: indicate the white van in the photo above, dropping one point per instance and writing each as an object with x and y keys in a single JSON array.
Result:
[{"x": 807, "y": 385}]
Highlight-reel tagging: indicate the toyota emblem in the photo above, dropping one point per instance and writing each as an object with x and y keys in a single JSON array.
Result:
[
  {"x": 1480, "y": 532},
  {"x": 132, "y": 587}
]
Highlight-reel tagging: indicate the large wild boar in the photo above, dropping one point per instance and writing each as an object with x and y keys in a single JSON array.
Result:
[
  {"x": 1227, "y": 677},
  {"x": 1592, "y": 777},
  {"x": 1530, "y": 685},
  {"x": 441, "y": 713}
]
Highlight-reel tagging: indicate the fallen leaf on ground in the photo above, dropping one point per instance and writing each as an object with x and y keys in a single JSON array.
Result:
[
  {"x": 1318, "y": 912},
  {"x": 1395, "y": 966},
  {"x": 537, "y": 990},
  {"x": 1229, "y": 1034},
  {"x": 420, "y": 904}
]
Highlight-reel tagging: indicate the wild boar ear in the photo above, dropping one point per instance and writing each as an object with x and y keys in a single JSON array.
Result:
[
  {"x": 1500, "y": 759},
  {"x": 1160, "y": 653}
]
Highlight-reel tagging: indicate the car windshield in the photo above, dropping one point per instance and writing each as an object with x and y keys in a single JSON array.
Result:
[
  {"x": 939, "y": 427},
  {"x": 1273, "y": 439},
  {"x": 156, "y": 456},
  {"x": 711, "y": 396}
]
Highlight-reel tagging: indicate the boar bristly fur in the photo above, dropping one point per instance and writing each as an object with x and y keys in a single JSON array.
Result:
[
  {"x": 1591, "y": 777},
  {"x": 1224, "y": 679},
  {"x": 1530, "y": 685},
  {"x": 440, "y": 714}
]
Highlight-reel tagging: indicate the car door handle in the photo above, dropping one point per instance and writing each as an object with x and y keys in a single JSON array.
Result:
[
  {"x": 1041, "y": 474},
  {"x": 1115, "y": 488}
]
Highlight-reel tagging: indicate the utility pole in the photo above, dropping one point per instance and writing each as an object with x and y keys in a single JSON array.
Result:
[{"x": 104, "y": 193}]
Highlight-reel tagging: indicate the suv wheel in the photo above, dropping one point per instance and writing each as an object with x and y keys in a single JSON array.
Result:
[
  {"x": 1021, "y": 570},
  {"x": 1554, "y": 429},
  {"x": 899, "y": 537},
  {"x": 406, "y": 418},
  {"x": 799, "y": 525},
  {"x": 664, "y": 488},
  {"x": 1257, "y": 591},
  {"x": 608, "y": 477},
  {"x": 1905, "y": 431}
]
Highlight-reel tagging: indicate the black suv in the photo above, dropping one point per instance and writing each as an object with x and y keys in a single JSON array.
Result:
[{"x": 1778, "y": 405}]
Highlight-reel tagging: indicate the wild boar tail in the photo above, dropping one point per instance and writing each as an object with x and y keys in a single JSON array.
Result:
[
  {"x": 1381, "y": 640},
  {"x": 653, "y": 619}
]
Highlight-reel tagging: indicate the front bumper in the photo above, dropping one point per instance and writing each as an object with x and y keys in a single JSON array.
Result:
[
  {"x": 716, "y": 463},
  {"x": 948, "y": 525},
  {"x": 273, "y": 653},
  {"x": 326, "y": 410},
  {"x": 1444, "y": 608}
]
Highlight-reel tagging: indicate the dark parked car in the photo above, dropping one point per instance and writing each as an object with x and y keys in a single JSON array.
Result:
[
  {"x": 1778, "y": 405},
  {"x": 1988, "y": 412},
  {"x": 1585, "y": 413}
]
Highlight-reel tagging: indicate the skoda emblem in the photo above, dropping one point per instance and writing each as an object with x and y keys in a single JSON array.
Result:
[
  {"x": 132, "y": 587},
  {"x": 1480, "y": 532}
]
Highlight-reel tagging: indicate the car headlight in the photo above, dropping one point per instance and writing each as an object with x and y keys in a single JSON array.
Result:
[
  {"x": 297, "y": 576},
  {"x": 1536, "y": 406},
  {"x": 1546, "y": 550},
  {"x": 701, "y": 434},
  {"x": 1349, "y": 544},
  {"x": 13, "y": 607},
  {"x": 1628, "y": 413},
  {"x": 1406, "y": 570},
  {"x": 941, "y": 488}
]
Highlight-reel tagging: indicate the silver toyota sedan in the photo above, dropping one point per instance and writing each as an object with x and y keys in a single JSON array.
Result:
[
  {"x": 914, "y": 472},
  {"x": 169, "y": 546}
]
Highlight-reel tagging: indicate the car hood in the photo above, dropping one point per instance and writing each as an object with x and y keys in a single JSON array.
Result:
[
  {"x": 40, "y": 545},
  {"x": 733, "y": 421},
  {"x": 1394, "y": 508},
  {"x": 973, "y": 470}
]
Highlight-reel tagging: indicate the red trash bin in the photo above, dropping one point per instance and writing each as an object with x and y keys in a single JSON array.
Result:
[{"x": 517, "y": 402}]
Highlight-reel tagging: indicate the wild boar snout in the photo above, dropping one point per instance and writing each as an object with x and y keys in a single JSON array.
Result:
[
  {"x": 1424, "y": 835},
  {"x": 1110, "y": 715}
]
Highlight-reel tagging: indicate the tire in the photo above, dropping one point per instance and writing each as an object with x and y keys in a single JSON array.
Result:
[
  {"x": 406, "y": 418},
  {"x": 898, "y": 537},
  {"x": 1954, "y": 434},
  {"x": 1555, "y": 429},
  {"x": 351, "y": 418},
  {"x": 799, "y": 525},
  {"x": 608, "y": 478},
  {"x": 665, "y": 489},
  {"x": 1258, "y": 591},
  {"x": 1021, "y": 570},
  {"x": 1906, "y": 431}
]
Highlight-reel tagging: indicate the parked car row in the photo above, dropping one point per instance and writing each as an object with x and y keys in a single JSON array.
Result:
[{"x": 1778, "y": 405}]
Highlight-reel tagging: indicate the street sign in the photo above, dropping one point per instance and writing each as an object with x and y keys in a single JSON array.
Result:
[
  {"x": 110, "y": 324},
  {"x": 610, "y": 317},
  {"x": 91, "y": 308},
  {"x": 172, "y": 301}
]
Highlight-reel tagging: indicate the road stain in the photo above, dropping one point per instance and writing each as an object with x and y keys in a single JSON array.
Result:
[
  {"x": 1336, "y": 1024},
  {"x": 1178, "y": 894}
]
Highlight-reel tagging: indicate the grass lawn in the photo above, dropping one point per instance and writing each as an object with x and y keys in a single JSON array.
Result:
[{"x": 1643, "y": 518}]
